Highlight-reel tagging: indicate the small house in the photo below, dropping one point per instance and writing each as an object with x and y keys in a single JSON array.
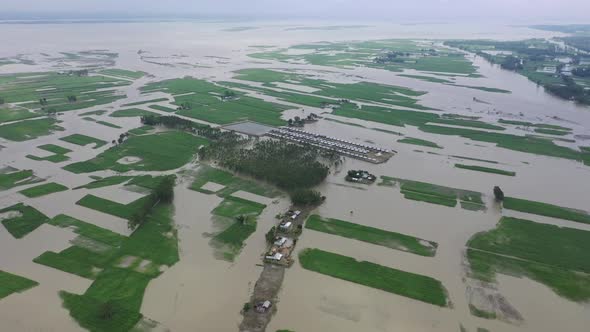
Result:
[
  {"x": 295, "y": 214},
  {"x": 280, "y": 241},
  {"x": 285, "y": 226},
  {"x": 276, "y": 257},
  {"x": 263, "y": 307}
]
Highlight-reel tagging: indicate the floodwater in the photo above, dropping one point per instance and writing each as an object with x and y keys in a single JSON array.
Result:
[{"x": 202, "y": 293}]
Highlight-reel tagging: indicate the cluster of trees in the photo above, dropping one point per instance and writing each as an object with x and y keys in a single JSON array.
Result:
[
  {"x": 162, "y": 193},
  {"x": 306, "y": 197},
  {"x": 121, "y": 138},
  {"x": 579, "y": 42},
  {"x": 184, "y": 106},
  {"x": 581, "y": 72},
  {"x": 569, "y": 90},
  {"x": 270, "y": 235},
  {"x": 174, "y": 122},
  {"x": 391, "y": 56},
  {"x": 511, "y": 63},
  {"x": 288, "y": 166},
  {"x": 228, "y": 95},
  {"x": 72, "y": 99},
  {"x": 1, "y": 101},
  {"x": 300, "y": 122},
  {"x": 498, "y": 194},
  {"x": 83, "y": 72},
  {"x": 283, "y": 164},
  {"x": 43, "y": 101},
  {"x": 520, "y": 47},
  {"x": 396, "y": 56}
]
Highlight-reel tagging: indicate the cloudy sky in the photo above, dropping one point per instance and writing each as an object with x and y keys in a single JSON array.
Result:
[{"x": 521, "y": 10}]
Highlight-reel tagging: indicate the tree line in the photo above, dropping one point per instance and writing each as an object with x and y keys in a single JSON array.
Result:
[{"x": 162, "y": 193}]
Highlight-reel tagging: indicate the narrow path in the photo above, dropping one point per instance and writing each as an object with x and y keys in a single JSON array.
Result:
[{"x": 269, "y": 283}]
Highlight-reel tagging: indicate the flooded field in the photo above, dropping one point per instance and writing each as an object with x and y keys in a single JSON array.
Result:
[{"x": 201, "y": 292}]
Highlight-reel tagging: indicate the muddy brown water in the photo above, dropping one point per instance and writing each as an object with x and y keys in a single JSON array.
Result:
[{"x": 205, "y": 294}]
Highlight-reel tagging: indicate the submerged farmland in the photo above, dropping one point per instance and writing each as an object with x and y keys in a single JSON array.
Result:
[{"x": 162, "y": 184}]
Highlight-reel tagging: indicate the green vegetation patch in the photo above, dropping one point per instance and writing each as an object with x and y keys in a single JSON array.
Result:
[
  {"x": 485, "y": 169},
  {"x": 24, "y": 219},
  {"x": 552, "y": 255},
  {"x": 243, "y": 213},
  {"x": 231, "y": 183},
  {"x": 141, "y": 130},
  {"x": 11, "y": 283},
  {"x": 15, "y": 114},
  {"x": 416, "y": 196},
  {"x": 123, "y": 73},
  {"x": 206, "y": 101},
  {"x": 146, "y": 181},
  {"x": 157, "y": 100},
  {"x": 545, "y": 209},
  {"x": 131, "y": 112},
  {"x": 417, "y": 141},
  {"x": 432, "y": 193},
  {"x": 535, "y": 125},
  {"x": 29, "y": 129},
  {"x": 59, "y": 92},
  {"x": 17, "y": 178},
  {"x": 162, "y": 108},
  {"x": 232, "y": 207},
  {"x": 551, "y": 132},
  {"x": 74, "y": 260},
  {"x": 158, "y": 152},
  {"x": 569, "y": 284},
  {"x": 106, "y": 182},
  {"x": 83, "y": 140},
  {"x": 475, "y": 159},
  {"x": 372, "y": 235},
  {"x": 415, "y": 286},
  {"x": 99, "y": 112},
  {"x": 59, "y": 153},
  {"x": 54, "y": 148},
  {"x": 113, "y": 301},
  {"x": 433, "y": 123},
  {"x": 483, "y": 88},
  {"x": 392, "y": 55},
  {"x": 88, "y": 230},
  {"x": 286, "y": 165},
  {"x": 43, "y": 189},
  {"x": 231, "y": 240},
  {"x": 109, "y": 124},
  {"x": 330, "y": 93},
  {"x": 562, "y": 247},
  {"x": 426, "y": 78},
  {"x": 103, "y": 205}
]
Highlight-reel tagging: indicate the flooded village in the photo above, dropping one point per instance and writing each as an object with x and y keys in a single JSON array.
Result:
[{"x": 213, "y": 176}]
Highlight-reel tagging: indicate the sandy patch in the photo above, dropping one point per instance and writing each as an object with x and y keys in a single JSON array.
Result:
[
  {"x": 212, "y": 186},
  {"x": 129, "y": 160},
  {"x": 10, "y": 215},
  {"x": 143, "y": 266},
  {"x": 127, "y": 261},
  {"x": 90, "y": 244}
]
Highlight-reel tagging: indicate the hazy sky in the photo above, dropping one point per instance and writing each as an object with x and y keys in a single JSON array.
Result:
[{"x": 526, "y": 10}]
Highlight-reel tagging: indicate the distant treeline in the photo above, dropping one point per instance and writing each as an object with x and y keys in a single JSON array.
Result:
[{"x": 579, "y": 42}]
